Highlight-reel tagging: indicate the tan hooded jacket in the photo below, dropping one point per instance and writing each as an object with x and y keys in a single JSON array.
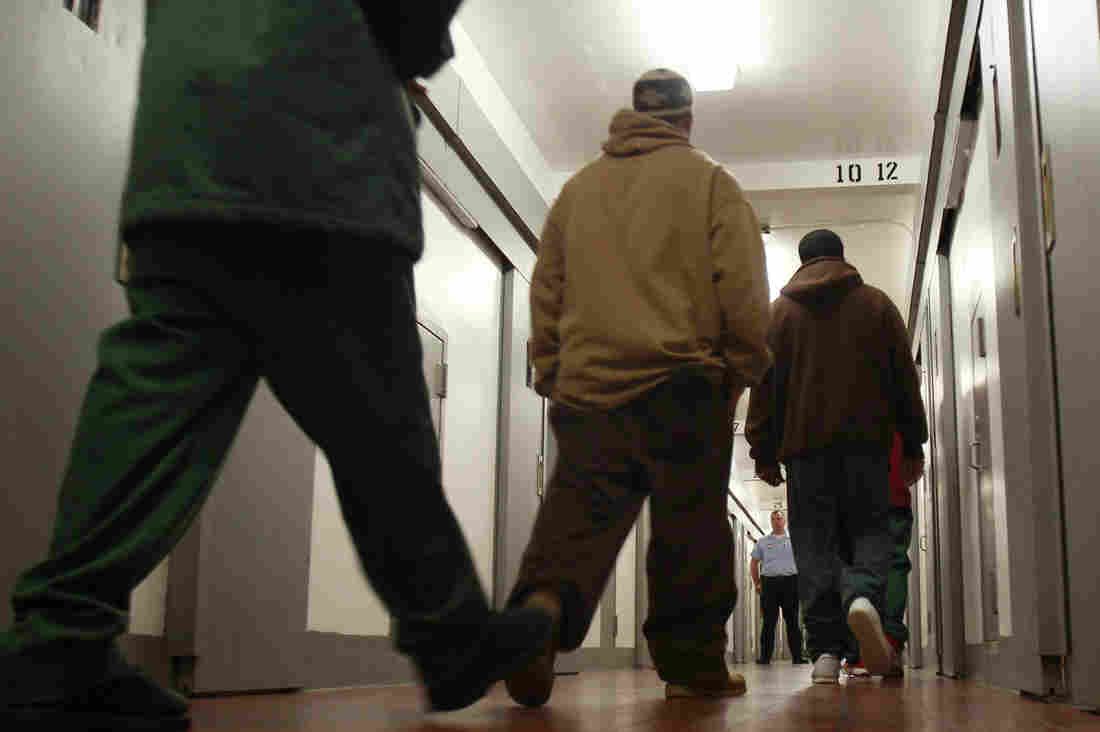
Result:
[{"x": 651, "y": 260}]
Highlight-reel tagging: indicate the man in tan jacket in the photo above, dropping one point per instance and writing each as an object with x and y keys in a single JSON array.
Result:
[
  {"x": 844, "y": 381},
  {"x": 649, "y": 313}
]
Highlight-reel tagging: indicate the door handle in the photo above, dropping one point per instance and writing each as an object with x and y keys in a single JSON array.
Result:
[
  {"x": 540, "y": 477},
  {"x": 923, "y": 543},
  {"x": 975, "y": 454}
]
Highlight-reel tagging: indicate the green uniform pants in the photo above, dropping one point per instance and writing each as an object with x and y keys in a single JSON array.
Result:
[{"x": 330, "y": 323}]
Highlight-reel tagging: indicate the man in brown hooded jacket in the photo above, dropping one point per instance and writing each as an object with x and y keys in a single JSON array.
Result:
[
  {"x": 843, "y": 382},
  {"x": 649, "y": 313}
]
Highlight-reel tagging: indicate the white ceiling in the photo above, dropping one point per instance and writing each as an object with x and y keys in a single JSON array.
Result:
[{"x": 837, "y": 78}]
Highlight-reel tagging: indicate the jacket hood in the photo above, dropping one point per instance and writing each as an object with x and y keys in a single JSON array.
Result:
[
  {"x": 822, "y": 281},
  {"x": 634, "y": 133}
]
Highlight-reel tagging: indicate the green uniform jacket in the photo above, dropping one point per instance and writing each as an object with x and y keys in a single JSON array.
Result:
[{"x": 283, "y": 111}]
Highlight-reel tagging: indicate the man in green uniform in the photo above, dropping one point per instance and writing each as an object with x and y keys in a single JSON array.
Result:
[{"x": 271, "y": 221}]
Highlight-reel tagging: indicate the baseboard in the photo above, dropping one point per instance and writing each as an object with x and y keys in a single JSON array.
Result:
[
  {"x": 334, "y": 660},
  {"x": 602, "y": 659},
  {"x": 977, "y": 662}
]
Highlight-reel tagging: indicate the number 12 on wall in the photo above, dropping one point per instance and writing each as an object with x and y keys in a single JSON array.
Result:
[{"x": 853, "y": 172}]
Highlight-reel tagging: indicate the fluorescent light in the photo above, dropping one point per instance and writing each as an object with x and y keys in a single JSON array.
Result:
[{"x": 705, "y": 40}]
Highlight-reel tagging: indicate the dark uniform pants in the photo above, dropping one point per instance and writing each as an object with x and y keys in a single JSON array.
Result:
[
  {"x": 838, "y": 502},
  {"x": 775, "y": 593},
  {"x": 672, "y": 445},
  {"x": 330, "y": 324}
]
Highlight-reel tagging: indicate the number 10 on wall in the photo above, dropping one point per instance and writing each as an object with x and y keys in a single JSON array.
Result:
[{"x": 853, "y": 172}]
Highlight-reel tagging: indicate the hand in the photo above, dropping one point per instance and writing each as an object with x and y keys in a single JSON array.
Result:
[
  {"x": 770, "y": 474},
  {"x": 911, "y": 470},
  {"x": 757, "y": 588}
]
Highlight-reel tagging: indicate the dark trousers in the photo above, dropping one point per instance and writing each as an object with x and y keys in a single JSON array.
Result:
[
  {"x": 330, "y": 323},
  {"x": 838, "y": 500},
  {"x": 776, "y": 593},
  {"x": 674, "y": 446}
]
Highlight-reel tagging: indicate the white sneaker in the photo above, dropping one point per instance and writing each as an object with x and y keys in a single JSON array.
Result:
[
  {"x": 826, "y": 669},
  {"x": 874, "y": 647},
  {"x": 855, "y": 670}
]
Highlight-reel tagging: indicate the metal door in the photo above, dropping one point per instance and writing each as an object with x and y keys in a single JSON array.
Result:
[
  {"x": 915, "y": 613},
  {"x": 930, "y": 571},
  {"x": 1066, "y": 165},
  {"x": 945, "y": 477},
  {"x": 432, "y": 341},
  {"x": 980, "y": 467},
  {"x": 521, "y": 446}
]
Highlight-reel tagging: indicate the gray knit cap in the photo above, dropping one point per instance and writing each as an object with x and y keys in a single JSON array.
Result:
[{"x": 663, "y": 93}]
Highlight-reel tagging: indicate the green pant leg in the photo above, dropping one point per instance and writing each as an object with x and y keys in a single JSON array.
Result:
[
  {"x": 167, "y": 397},
  {"x": 897, "y": 579}
]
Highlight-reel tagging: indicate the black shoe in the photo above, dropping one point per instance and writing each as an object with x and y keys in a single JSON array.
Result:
[
  {"x": 763, "y": 662},
  {"x": 799, "y": 661},
  {"x": 511, "y": 640},
  {"x": 66, "y": 692}
]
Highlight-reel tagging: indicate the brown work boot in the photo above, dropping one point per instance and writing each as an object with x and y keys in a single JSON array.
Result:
[
  {"x": 531, "y": 685},
  {"x": 733, "y": 684}
]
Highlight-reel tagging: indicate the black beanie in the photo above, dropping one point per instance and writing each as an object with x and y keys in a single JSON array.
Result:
[{"x": 820, "y": 243}]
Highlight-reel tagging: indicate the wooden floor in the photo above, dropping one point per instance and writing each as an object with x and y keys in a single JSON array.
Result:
[{"x": 780, "y": 698}]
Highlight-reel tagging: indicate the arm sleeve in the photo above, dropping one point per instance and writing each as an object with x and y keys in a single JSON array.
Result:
[
  {"x": 756, "y": 553},
  {"x": 908, "y": 405},
  {"x": 414, "y": 33},
  {"x": 760, "y": 425},
  {"x": 547, "y": 286},
  {"x": 741, "y": 281}
]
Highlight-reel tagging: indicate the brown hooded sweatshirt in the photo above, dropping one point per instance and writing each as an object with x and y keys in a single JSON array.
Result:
[
  {"x": 650, "y": 261},
  {"x": 843, "y": 377}
]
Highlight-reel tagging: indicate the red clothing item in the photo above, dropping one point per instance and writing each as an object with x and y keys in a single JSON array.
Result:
[{"x": 899, "y": 492}]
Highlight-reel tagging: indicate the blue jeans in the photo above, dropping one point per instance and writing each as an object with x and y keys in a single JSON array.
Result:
[{"x": 835, "y": 501}]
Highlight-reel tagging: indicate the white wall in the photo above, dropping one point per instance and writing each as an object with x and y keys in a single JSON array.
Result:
[
  {"x": 878, "y": 250},
  {"x": 340, "y": 601},
  {"x": 148, "y": 602},
  {"x": 471, "y": 67},
  {"x": 459, "y": 286},
  {"x": 625, "y": 588},
  {"x": 593, "y": 638}
]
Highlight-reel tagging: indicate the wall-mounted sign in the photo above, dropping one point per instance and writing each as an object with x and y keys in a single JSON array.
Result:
[
  {"x": 880, "y": 171},
  {"x": 853, "y": 172}
]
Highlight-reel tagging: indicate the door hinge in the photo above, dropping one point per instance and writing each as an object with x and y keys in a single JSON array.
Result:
[
  {"x": 614, "y": 627},
  {"x": 441, "y": 379},
  {"x": 1017, "y": 300}
]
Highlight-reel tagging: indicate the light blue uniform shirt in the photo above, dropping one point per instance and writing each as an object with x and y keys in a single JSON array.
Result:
[{"x": 775, "y": 555}]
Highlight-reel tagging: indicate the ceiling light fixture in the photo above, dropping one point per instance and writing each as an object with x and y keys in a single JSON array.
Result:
[{"x": 705, "y": 40}]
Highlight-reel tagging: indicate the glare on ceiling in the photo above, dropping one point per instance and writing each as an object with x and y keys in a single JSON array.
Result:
[{"x": 705, "y": 40}]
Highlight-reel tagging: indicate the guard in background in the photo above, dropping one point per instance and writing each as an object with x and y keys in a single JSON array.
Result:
[{"x": 775, "y": 576}]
